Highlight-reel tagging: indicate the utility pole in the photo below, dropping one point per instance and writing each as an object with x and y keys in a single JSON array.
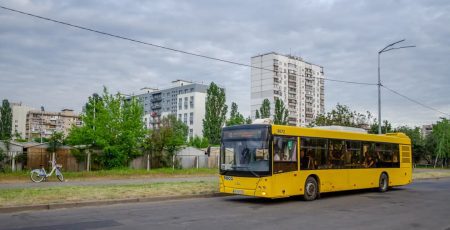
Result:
[
  {"x": 42, "y": 122},
  {"x": 385, "y": 49}
]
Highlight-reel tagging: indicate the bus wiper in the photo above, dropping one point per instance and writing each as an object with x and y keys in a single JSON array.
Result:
[{"x": 245, "y": 167}]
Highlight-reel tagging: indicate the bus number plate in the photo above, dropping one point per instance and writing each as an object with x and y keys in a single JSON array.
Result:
[
  {"x": 281, "y": 131},
  {"x": 238, "y": 191}
]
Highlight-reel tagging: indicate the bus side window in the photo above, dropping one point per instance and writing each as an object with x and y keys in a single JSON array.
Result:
[
  {"x": 313, "y": 153},
  {"x": 285, "y": 154},
  {"x": 395, "y": 156},
  {"x": 336, "y": 153},
  {"x": 353, "y": 154},
  {"x": 368, "y": 159}
]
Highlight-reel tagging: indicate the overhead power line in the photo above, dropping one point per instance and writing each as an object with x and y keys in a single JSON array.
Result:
[
  {"x": 415, "y": 101},
  {"x": 164, "y": 47},
  {"x": 204, "y": 56}
]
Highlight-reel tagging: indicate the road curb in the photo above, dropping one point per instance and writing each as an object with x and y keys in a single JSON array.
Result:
[
  {"x": 432, "y": 178},
  {"x": 104, "y": 202}
]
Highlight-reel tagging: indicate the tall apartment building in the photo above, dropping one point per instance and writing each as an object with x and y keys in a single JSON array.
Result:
[
  {"x": 299, "y": 84},
  {"x": 19, "y": 119},
  {"x": 42, "y": 122},
  {"x": 186, "y": 100}
]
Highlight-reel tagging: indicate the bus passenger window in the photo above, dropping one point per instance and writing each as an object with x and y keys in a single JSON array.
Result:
[
  {"x": 285, "y": 154},
  {"x": 313, "y": 154},
  {"x": 353, "y": 154},
  {"x": 336, "y": 153},
  {"x": 368, "y": 160},
  {"x": 395, "y": 156}
]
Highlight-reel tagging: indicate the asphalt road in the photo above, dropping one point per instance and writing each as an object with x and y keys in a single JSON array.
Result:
[{"x": 422, "y": 205}]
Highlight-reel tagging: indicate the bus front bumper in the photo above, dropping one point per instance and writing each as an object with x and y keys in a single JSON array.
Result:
[{"x": 245, "y": 186}]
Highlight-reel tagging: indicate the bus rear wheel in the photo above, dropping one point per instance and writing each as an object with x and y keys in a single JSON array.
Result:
[
  {"x": 384, "y": 183},
  {"x": 311, "y": 189}
]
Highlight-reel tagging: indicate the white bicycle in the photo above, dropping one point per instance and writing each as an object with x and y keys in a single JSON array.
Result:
[{"x": 38, "y": 175}]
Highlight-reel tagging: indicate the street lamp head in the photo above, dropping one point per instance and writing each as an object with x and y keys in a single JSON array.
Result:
[
  {"x": 396, "y": 48},
  {"x": 385, "y": 49},
  {"x": 382, "y": 50}
]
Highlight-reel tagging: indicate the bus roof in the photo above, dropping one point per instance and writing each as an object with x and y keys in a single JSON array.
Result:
[{"x": 400, "y": 138}]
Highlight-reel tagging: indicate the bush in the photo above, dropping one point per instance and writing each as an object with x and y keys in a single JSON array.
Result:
[
  {"x": 2, "y": 155},
  {"x": 199, "y": 142}
]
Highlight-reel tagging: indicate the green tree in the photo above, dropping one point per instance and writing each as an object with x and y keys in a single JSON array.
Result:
[
  {"x": 215, "y": 113},
  {"x": 199, "y": 142},
  {"x": 113, "y": 125},
  {"x": 257, "y": 116},
  {"x": 417, "y": 142},
  {"x": 2, "y": 158},
  {"x": 342, "y": 115},
  {"x": 264, "y": 111},
  {"x": 236, "y": 118},
  {"x": 248, "y": 120},
  {"x": 430, "y": 147},
  {"x": 162, "y": 143},
  {"x": 55, "y": 142},
  {"x": 5, "y": 120},
  {"x": 281, "y": 113},
  {"x": 441, "y": 133},
  {"x": 386, "y": 127}
]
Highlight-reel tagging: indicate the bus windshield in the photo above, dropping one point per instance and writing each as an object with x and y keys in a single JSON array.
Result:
[{"x": 245, "y": 152}]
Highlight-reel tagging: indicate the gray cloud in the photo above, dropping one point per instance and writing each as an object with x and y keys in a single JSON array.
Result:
[{"x": 43, "y": 63}]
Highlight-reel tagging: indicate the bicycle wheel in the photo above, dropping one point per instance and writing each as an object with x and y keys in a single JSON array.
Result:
[
  {"x": 37, "y": 175},
  {"x": 60, "y": 176}
]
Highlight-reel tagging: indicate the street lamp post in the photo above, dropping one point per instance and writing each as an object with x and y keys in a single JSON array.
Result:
[
  {"x": 88, "y": 165},
  {"x": 385, "y": 49}
]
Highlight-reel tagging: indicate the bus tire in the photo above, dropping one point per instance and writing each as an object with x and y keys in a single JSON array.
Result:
[
  {"x": 383, "y": 183},
  {"x": 311, "y": 189}
]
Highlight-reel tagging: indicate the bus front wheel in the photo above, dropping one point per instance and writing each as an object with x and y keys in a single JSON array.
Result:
[
  {"x": 311, "y": 189},
  {"x": 384, "y": 183}
]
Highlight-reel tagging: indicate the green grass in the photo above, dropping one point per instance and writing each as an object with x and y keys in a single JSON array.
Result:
[
  {"x": 428, "y": 173},
  {"x": 121, "y": 173},
  {"x": 54, "y": 195}
]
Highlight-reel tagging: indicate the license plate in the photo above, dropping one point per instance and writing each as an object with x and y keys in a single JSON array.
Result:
[{"x": 238, "y": 191}]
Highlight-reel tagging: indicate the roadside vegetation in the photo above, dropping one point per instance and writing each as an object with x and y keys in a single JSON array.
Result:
[
  {"x": 68, "y": 194},
  {"x": 430, "y": 173}
]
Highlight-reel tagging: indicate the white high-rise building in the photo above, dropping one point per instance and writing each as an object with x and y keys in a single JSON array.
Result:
[
  {"x": 299, "y": 84},
  {"x": 19, "y": 119},
  {"x": 186, "y": 100}
]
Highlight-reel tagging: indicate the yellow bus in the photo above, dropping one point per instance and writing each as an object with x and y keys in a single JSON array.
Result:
[{"x": 277, "y": 161}]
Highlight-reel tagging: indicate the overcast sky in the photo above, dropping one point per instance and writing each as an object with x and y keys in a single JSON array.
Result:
[{"x": 43, "y": 63}]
